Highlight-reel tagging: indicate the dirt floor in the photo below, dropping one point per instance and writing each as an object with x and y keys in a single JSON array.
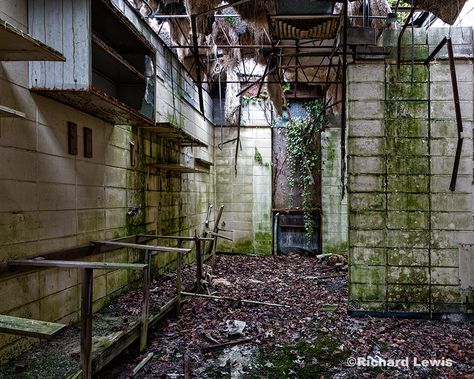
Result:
[{"x": 311, "y": 337}]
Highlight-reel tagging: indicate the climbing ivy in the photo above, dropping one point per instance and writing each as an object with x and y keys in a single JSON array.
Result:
[{"x": 304, "y": 156}]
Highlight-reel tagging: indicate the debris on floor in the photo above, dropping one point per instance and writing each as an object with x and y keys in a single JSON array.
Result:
[{"x": 312, "y": 336}]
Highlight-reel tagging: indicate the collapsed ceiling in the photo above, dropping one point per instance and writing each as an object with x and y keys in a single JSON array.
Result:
[{"x": 296, "y": 41}]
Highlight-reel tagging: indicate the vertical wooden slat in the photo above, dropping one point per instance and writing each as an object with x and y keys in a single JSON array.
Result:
[
  {"x": 146, "y": 301},
  {"x": 199, "y": 263},
  {"x": 86, "y": 323},
  {"x": 179, "y": 261}
]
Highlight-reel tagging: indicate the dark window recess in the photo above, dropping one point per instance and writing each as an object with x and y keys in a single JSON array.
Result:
[
  {"x": 122, "y": 65},
  {"x": 133, "y": 154},
  {"x": 87, "y": 143},
  {"x": 72, "y": 138}
]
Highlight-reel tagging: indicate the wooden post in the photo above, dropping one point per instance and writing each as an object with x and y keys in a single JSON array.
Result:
[
  {"x": 146, "y": 301},
  {"x": 199, "y": 264},
  {"x": 179, "y": 259},
  {"x": 215, "y": 230},
  {"x": 86, "y": 323}
]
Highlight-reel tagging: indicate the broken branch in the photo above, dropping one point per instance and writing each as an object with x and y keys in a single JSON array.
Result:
[{"x": 234, "y": 299}]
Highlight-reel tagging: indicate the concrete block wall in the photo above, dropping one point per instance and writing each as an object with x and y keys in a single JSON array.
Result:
[
  {"x": 50, "y": 200},
  {"x": 334, "y": 207},
  {"x": 247, "y": 195},
  {"x": 405, "y": 226}
]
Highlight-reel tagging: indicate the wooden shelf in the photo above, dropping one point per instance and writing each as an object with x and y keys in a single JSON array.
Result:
[
  {"x": 9, "y": 112},
  {"x": 108, "y": 59},
  {"x": 203, "y": 162},
  {"x": 171, "y": 132},
  {"x": 178, "y": 168},
  {"x": 16, "y": 45}
]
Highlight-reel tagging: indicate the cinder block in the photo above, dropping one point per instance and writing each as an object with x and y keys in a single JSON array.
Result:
[
  {"x": 440, "y": 72},
  {"x": 366, "y": 183},
  {"x": 404, "y": 73},
  {"x": 445, "y": 294},
  {"x": 366, "y": 91},
  {"x": 367, "y": 238},
  {"x": 408, "y": 293},
  {"x": 447, "y": 147},
  {"x": 366, "y": 146},
  {"x": 408, "y": 202},
  {"x": 408, "y": 165},
  {"x": 407, "y": 91},
  {"x": 441, "y": 183},
  {"x": 365, "y": 110},
  {"x": 54, "y": 224},
  {"x": 407, "y": 128},
  {"x": 366, "y": 165},
  {"x": 366, "y": 292},
  {"x": 415, "y": 239},
  {"x": 368, "y": 73},
  {"x": 444, "y": 258},
  {"x": 17, "y": 196},
  {"x": 408, "y": 275},
  {"x": 365, "y": 128},
  {"x": 408, "y": 220},
  {"x": 444, "y": 110},
  {"x": 443, "y": 91},
  {"x": 408, "y": 183},
  {"x": 444, "y": 166},
  {"x": 367, "y": 220},
  {"x": 60, "y": 304},
  {"x": 451, "y": 202},
  {"x": 366, "y": 201},
  {"x": 368, "y": 275},
  {"x": 370, "y": 256},
  {"x": 399, "y": 109},
  {"x": 56, "y": 196},
  {"x": 19, "y": 291},
  {"x": 407, "y": 146},
  {"x": 450, "y": 239},
  {"x": 54, "y": 280},
  {"x": 445, "y": 275},
  {"x": 408, "y": 257}
]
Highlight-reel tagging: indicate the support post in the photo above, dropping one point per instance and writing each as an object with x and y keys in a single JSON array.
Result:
[
  {"x": 145, "y": 301},
  {"x": 197, "y": 59},
  {"x": 86, "y": 322},
  {"x": 215, "y": 230},
  {"x": 344, "y": 89},
  {"x": 199, "y": 268},
  {"x": 178, "y": 283}
]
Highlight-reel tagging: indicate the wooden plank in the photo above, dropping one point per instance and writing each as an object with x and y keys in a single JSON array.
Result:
[
  {"x": 77, "y": 264},
  {"x": 164, "y": 249},
  {"x": 27, "y": 327},
  {"x": 145, "y": 302},
  {"x": 10, "y": 112},
  {"x": 86, "y": 322}
]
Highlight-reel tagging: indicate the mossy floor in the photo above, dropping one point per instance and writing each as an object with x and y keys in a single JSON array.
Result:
[{"x": 311, "y": 338}]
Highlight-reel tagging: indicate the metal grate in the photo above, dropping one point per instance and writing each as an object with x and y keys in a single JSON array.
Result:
[{"x": 305, "y": 27}]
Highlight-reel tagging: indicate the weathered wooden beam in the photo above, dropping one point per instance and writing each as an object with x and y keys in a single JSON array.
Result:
[
  {"x": 163, "y": 249},
  {"x": 86, "y": 323},
  {"x": 145, "y": 301},
  {"x": 26, "y": 327},
  {"x": 199, "y": 262},
  {"x": 183, "y": 238},
  {"x": 76, "y": 264}
]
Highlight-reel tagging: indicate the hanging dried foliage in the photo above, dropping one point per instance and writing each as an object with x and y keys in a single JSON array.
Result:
[
  {"x": 448, "y": 11},
  {"x": 256, "y": 11},
  {"x": 203, "y": 23},
  {"x": 377, "y": 8}
]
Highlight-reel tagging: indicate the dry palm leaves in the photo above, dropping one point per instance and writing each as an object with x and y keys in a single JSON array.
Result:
[{"x": 448, "y": 11}]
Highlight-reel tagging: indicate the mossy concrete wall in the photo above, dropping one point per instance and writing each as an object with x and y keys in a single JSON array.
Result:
[
  {"x": 405, "y": 225},
  {"x": 50, "y": 200},
  {"x": 333, "y": 205},
  {"x": 247, "y": 193}
]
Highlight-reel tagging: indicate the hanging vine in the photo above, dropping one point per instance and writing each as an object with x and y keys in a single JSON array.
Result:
[{"x": 303, "y": 157}]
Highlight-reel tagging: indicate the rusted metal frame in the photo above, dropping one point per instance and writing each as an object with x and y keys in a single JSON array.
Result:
[
  {"x": 244, "y": 46},
  {"x": 197, "y": 61},
  {"x": 435, "y": 51},
  {"x": 238, "y": 144},
  {"x": 273, "y": 81},
  {"x": 260, "y": 81},
  {"x": 297, "y": 58},
  {"x": 400, "y": 36},
  {"x": 163, "y": 249},
  {"x": 343, "y": 112},
  {"x": 457, "y": 109}
]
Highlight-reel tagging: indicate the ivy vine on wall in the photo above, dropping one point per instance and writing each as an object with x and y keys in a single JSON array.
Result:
[{"x": 304, "y": 156}]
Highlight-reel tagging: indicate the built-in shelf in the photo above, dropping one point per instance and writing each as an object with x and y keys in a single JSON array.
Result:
[
  {"x": 9, "y": 112},
  {"x": 292, "y": 226},
  {"x": 203, "y": 162},
  {"x": 171, "y": 132},
  {"x": 178, "y": 168},
  {"x": 16, "y": 45}
]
